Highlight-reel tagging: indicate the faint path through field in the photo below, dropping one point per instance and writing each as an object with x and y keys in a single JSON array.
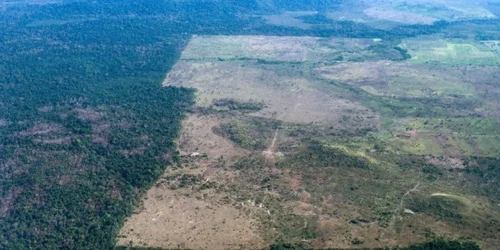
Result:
[
  {"x": 400, "y": 206},
  {"x": 270, "y": 152}
]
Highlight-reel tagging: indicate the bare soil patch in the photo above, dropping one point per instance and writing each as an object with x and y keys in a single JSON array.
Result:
[
  {"x": 222, "y": 195},
  {"x": 206, "y": 201},
  {"x": 197, "y": 136},
  {"x": 286, "y": 98},
  {"x": 189, "y": 207},
  {"x": 173, "y": 219}
]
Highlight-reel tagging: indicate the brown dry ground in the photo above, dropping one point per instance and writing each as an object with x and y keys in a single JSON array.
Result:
[
  {"x": 207, "y": 202},
  {"x": 232, "y": 213},
  {"x": 287, "y": 98},
  {"x": 187, "y": 217}
]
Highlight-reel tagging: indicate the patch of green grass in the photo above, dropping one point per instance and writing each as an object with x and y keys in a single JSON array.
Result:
[
  {"x": 419, "y": 146},
  {"x": 422, "y": 84},
  {"x": 451, "y": 208},
  {"x": 355, "y": 150},
  {"x": 458, "y": 126},
  {"x": 451, "y": 53},
  {"x": 316, "y": 154},
  {"x": 441, "y": 136}
]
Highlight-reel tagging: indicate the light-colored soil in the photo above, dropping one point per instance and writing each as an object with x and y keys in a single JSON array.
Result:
[
  {"x": 439, "y": 9},
  {"x": 173, "y": 220},
  {"x": 202, "y": 219},
  {"x": 493, "y": 45},
  {"x": 447, "y": 162},
  {"x": 256, "y": 47},
  {"x": 197, "y": 136},
  {"x": 189, "y": 217},
  {"x": 287, "y": 98},
  {"x": 270, "y": 153},
  {"x": 208, "y": 201}
]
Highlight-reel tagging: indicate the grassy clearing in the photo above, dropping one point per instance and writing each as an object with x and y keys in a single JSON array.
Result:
[
  {"x": 450, "y": 52},
  {"x": 359, "y": 150},
  {"x": 456, "y": 209},
  {"x": 291, "y": 49},
  {"x": 394, "y": 79},
  {"x": 461, "y": 199},
  {"x": 388, "y": 15},
  {"x": 254, "y": 47},
  {"x": 452, "y": 136},
  {"x": 286, "y": 91},
  {"x": 459, "y": 126},
  {"x": 339, "y": 180}
]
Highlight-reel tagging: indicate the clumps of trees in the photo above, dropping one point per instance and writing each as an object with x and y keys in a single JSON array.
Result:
[
  {"x": 437, "y": 244},
  {"x": 233, "y": 104}
]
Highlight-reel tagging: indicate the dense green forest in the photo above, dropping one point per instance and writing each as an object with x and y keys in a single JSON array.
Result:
[{"x": 85, "y": 126}]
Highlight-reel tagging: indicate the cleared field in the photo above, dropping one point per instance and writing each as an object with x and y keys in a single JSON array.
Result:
[
  {"x": 385, "y": 14},
  {"x": 278, "y": 149},
  {"x": 437, "y": 9},
  {"x": 255, "y": 47},
  {"x": 388, "y": 78},
  {"x": 449, "y": 52},
  {"x": 220, "y": 197},
  {"x": 189, "y": 207},
  {"x": 274, "y": 48},
  {"x": 287, "y": 98},
  {"x": 174, "y": 219},
  {"x": 457, "y": 137}
]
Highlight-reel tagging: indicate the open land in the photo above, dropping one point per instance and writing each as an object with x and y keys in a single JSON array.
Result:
[
  {"x": 280, "y": 146},
  {"x": 385, "y": 14}
]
